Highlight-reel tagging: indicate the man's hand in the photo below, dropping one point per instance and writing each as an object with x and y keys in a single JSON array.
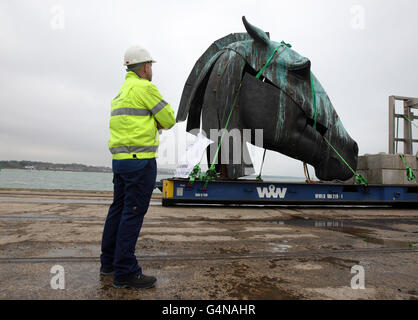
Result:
[{"x": 159, "y": 126}]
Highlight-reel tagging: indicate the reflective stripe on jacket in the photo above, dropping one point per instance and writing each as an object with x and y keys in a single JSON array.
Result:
[{"x": 134, "y": 112}]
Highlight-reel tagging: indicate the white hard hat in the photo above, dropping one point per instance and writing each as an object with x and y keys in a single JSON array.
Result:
[{"x": 137, "y": 54}]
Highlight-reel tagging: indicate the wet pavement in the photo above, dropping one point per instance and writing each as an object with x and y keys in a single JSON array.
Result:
[{"x": 208, "y": 252}]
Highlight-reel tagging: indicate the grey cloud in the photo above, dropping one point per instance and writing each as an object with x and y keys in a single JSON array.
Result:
[{"x": 56, "y": 85}]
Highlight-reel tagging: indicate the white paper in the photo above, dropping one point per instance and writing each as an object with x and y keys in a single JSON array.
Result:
[{"x": 192, "y": 156}]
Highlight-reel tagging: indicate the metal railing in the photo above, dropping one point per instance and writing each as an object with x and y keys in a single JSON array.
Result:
[{"x": 407, "y": 116}]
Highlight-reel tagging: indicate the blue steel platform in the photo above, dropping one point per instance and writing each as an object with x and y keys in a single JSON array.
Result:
[{"x": 178, "y": 191}]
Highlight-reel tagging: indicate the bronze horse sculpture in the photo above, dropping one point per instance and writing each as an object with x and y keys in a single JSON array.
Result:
[{"x": 287, "y": 102}]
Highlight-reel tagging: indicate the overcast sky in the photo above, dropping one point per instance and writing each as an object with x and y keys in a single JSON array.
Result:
[{"x": 61, "y": 64}]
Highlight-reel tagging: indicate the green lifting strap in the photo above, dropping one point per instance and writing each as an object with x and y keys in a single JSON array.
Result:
[
  {"x": 196, "y": 173},
  {"x": 211, "y": 174},
  {"x": 271, "y": 57},
  {"x": 261, "y": 168},
  {"x": 359, "y": 178},
  {"x": 313, "y": 99},
  {"x": 288, "y": 45},
  {"x": 409, "y": 172},
  {"x": 305, "y": 167}
]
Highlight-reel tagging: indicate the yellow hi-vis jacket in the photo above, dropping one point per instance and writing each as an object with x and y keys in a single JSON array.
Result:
[{"x": 134, "y": 112}]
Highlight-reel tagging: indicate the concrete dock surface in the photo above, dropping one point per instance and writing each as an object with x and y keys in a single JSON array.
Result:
[{"x": 208, "y": 252}]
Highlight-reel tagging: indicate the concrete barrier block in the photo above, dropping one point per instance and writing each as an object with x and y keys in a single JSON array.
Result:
[
  {"x": 362, "y": 163},
  {"x": 385, "y": 169},
  {"x": 389, "y": 176},
  {"x": 386, "y": 161},
  {"x": 412, "y": 161}
]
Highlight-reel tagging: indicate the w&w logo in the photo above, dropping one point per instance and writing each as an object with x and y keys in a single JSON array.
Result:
[{"x": 271, "y": 192}]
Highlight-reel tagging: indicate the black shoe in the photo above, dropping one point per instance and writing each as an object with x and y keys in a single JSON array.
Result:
[
  {"x": 140, "y": 282},
  {"x": 106, "y": 271}
]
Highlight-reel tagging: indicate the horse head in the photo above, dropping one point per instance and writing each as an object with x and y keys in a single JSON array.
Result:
[{"x": 285, "y": 100}]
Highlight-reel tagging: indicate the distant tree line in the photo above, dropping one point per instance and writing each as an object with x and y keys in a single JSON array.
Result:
[
  {"x": 38, "y": 165},
  {"x": 77, "y": 167}
]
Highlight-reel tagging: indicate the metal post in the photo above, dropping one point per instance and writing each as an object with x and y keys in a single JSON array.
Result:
[
  {"x": 391, "y": 125},
  {"x": 407, "y": 129}
]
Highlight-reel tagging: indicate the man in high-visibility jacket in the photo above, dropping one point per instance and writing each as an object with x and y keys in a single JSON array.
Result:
[{"x": 138, "y": 113}]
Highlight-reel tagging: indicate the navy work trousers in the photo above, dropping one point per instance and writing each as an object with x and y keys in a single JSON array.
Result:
[{"x": 131, "y": 197}]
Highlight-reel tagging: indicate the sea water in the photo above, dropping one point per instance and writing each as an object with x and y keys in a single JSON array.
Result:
[
  {"x": 63, "y": 180},
  {"x": 68, "y": 180}
]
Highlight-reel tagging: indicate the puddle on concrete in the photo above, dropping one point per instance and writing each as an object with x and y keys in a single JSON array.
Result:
[
  {"x": 365, "y": 236},
  {"x": 354, "y": 228},
  {"x": 280, "y": 247}
]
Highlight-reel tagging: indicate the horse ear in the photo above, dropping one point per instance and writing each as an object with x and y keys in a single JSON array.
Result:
[{"x": 256, "y": 33}]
